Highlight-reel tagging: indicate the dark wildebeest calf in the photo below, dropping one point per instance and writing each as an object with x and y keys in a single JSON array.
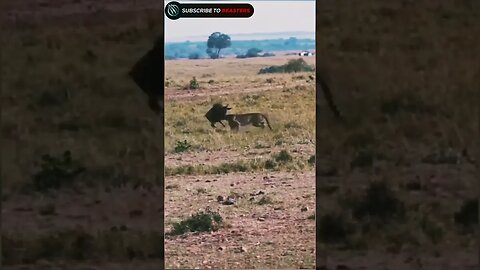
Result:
[{"x": 217, "y": 113}]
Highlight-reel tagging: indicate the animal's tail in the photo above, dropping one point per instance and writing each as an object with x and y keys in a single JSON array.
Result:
[
  {"x": 268, "y": 122},
  {"x": 328, "y": 96}
]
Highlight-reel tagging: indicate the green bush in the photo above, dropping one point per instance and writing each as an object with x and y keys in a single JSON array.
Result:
[
  {"x": 294, "y": 65},
  {"x": 56, "y": 172},
  {"x": 200, "y": 222}
]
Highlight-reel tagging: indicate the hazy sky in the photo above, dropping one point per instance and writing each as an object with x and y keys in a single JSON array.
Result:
[{"x": 269, "y": 16}]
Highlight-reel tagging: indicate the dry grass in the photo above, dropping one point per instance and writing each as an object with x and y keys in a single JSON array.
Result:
[
  {"x": 66, "y": 89},
  {"x": 404, "y": 73},
  {"x": 404, "y": 76},
  {"x": 221, "y": 163}
]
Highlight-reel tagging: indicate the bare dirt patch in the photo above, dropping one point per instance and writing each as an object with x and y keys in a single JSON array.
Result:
[
  {"x": 229, "y": 156},
  {"x": 274, "y": 235}
]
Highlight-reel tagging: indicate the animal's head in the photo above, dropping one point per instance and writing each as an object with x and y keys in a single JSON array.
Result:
[
  {"x": 147, "y": 73},
  {"x": 217, "y": 113}
]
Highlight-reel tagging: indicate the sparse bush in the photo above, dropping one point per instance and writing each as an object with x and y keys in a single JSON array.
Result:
[
  {"x": 194, "y": 56},
  {"x": 253, "y": 52},
  {"x": 298, "y": 65},
  {"x": 379, "y": 202},
  {"x": 201, "y": 190},
  {"x": 283, "y": 157},
  {"x": 182, "y": 146},
  {"x": 311, "y": 160},
  {"x": 294, "y": 65},
  {"x": 265, "y": 200},
  {"x": 56, "y": 172},
  {"x": 334, "y": 228},
  {"x": 467, "y": 215},
  {"x": 270, "y": 164},
  {"x": 272, "y": 69},
  {"x": 200, "y": 222},
  {"x": 193, "y": 84},
  {"x": 230, "y": 167}
]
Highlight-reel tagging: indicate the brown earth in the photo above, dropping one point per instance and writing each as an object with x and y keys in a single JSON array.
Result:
[{"x": 440, "y": 40}]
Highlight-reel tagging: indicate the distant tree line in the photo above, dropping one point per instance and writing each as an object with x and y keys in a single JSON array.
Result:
[{"x": 219, "y": 44}]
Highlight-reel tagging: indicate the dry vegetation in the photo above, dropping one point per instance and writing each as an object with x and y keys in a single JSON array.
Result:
[
  {"x": 404, "y": 73},
  {"x": 393, "y": 178},
  {"x": 80, "y": 151},
  {"x": 267, "y": 176}
]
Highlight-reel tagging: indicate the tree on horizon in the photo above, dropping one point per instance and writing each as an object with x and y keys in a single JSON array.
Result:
[{"x": 217, "y": 41}]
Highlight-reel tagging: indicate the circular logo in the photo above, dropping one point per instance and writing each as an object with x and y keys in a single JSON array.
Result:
[{"x": 173, "y": 10}]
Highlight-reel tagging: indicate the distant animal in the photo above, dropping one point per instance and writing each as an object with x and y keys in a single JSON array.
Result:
[
  {"x": 217, "y": 113},
  {"x": 235, "y": 121},
  {"x": 147, "y": 73}
]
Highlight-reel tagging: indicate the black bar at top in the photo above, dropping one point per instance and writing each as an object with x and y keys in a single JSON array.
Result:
[{"x": 175, "y": 10}]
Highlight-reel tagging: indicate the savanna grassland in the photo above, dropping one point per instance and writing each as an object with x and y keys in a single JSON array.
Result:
[
  {"x": 405, "y": 75},
  {"x": 269, "y": 174},
  {"x": 81, "y": 152},
  {"x": 397, "y": 180}
]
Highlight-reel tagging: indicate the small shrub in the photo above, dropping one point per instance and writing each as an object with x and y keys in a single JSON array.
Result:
[
  {"x": 193, "y": 84},
  {"x": 283, "y": 157},
  {"x": 265, "y": 200},
  {"x": 200, "y": 222},
  {"x": 56, "y": 172},
  {"x": 297, "y": 65},
  {"x": 201, "y": 190},
  {"x": 194, "y": 56},
  {"x": 270, "y": 164},
  {"x": 379, "y": 202},
  {"x": 334, "y": 228},
  {"x": 229, "y": 167},
  {"x": 253, "y": 52},
  {"x": 294, "y": 65},
  {"x": 182, "y": 146},
  {"x": 467, "y": 215},
  {"x": 311, "y": 160}
]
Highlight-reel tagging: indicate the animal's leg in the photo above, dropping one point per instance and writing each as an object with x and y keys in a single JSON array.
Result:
[{"x": 234, "y": 125}]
